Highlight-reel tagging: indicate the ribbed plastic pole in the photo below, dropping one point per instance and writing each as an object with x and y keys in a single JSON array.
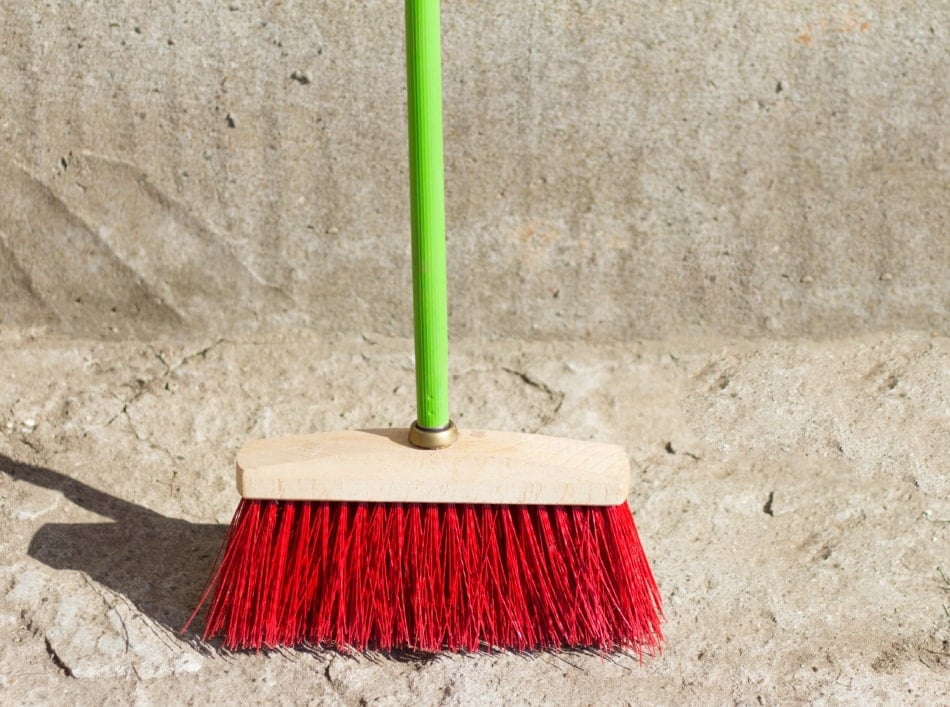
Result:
[{"x": 426, "y": 177}]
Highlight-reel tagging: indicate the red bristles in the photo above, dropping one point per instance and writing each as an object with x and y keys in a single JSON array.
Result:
[{"x": 390, "y": 576}]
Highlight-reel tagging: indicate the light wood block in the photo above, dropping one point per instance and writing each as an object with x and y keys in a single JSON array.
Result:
[{"x": 481, "y": 467}]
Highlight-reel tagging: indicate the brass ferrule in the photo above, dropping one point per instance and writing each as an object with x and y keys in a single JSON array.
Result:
[{"x": 433, "y": 439}]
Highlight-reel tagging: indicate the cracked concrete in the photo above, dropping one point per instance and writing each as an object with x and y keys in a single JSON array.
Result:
[
  {"x": 556, "y": 397},
  {"x": 792, "y": 497}
]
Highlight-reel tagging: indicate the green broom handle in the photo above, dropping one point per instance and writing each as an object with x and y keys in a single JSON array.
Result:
[{"x": 426, "y": 176}]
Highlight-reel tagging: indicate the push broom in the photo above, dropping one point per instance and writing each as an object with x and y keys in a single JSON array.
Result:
[{"x": 432, "y": 538}]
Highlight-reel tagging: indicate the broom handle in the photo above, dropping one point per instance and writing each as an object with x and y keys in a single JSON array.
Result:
[{"x": 426, "y": 176}]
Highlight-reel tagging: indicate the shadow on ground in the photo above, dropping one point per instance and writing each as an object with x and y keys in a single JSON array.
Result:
[{"x": 160, "y": 564}]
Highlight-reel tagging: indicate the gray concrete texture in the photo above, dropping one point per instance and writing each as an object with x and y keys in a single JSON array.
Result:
[
  {"x": 792, "y": 497},
  {"x": 615, "y": 169}
]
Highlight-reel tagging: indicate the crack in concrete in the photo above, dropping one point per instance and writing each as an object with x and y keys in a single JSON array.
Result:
[
  {"x": 57, "y": 660},
  {"x": 160, "y": 357},
  {"x": 126, "y": 403},
  {"x": 184, "y": 360},
  {"x": 144, "y": 384},
  {"x": 109, "y": 607},
  {"x": 28, "y": 443},
  {"x": 148, "y": 440},
  {"x": 556, "y": 396},
  {"x": 201, "y": 353}
]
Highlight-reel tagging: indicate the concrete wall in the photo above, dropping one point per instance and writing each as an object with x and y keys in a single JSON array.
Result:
[{"x": 615, "y": 169}]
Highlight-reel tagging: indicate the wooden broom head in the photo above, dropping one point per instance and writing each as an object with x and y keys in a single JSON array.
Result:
[{"x": 484, "y": 467}]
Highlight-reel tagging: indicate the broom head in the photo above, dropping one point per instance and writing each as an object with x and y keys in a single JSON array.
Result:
[{"x": 504, "y": 540}]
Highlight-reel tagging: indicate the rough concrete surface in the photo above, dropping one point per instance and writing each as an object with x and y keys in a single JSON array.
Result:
[
  {"x": 792, "y": 496},
  {"x": 716, "y": 233},
  {"x": 619, "y": 169}
]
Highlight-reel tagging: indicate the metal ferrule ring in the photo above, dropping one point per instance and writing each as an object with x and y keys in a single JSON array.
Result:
[{"x": 433, "y": 439}]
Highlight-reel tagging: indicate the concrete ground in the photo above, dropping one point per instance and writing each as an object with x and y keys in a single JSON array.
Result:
[{"x": 793, "y": 498}]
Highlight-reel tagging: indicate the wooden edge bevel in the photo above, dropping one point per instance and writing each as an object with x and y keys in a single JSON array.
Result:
[{"x": 481, "y": 467}]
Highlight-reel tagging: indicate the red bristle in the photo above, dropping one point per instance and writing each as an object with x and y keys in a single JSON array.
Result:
[
  {"x": 319, "y": 577},
  {"x": 379, "y": 615},
  {"x": 560, "y": 578},
  {"x": 543, "y": 600},
  {"x": 275, "y": 593},
  {"x": 523, "y": 627},
  {"x": 452, "y": 574},
  {"x": 428, "y": 605},
  {"x": 295, "y": 608},
  {"x": 475, "y": 583},
  {"x": 336, "y": 621},
  {"x": 432, "y": 577},
  {"x": 396, "y": 536},
  {"x": 352, "y": 621},
  {"x": 415, "y": 591}
]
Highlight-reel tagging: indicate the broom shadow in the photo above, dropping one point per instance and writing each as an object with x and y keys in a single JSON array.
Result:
[{"x": 160, "y": 564}]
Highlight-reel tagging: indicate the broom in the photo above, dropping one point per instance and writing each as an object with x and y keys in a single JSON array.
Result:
[{"x": 431, "y": 538}]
